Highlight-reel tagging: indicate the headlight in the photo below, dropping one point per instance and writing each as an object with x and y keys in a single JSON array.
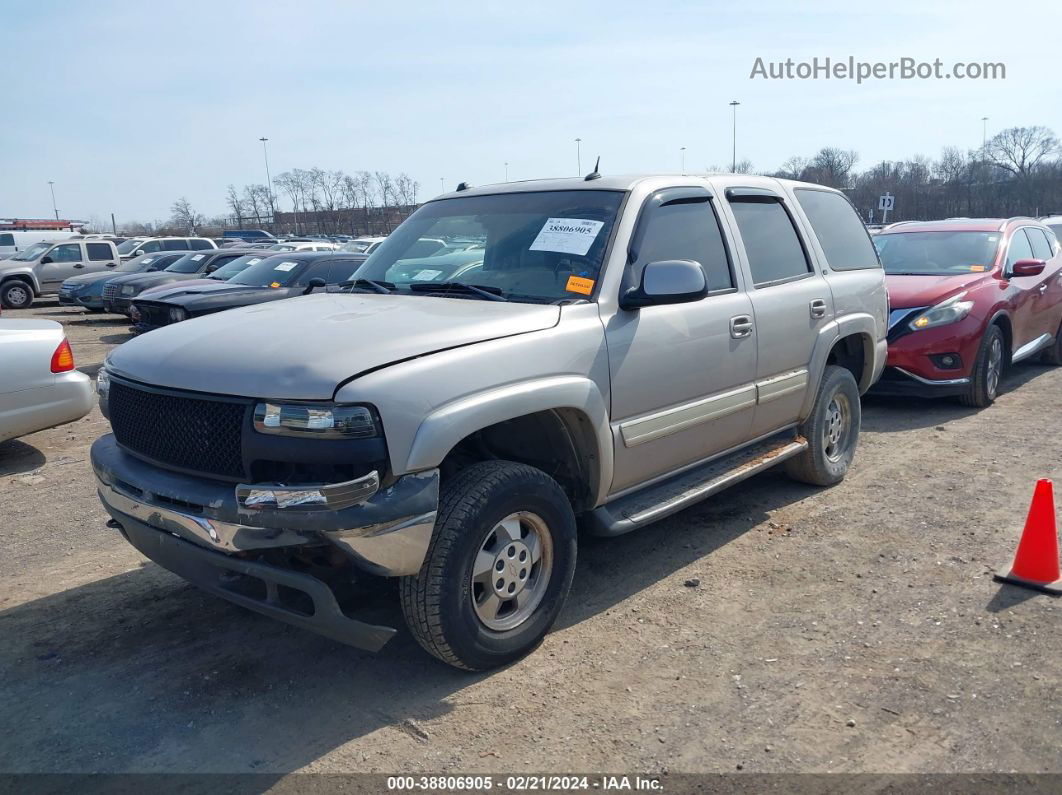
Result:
[
  {"x": 177, "y": 314},
  {"x": 128, "y": 289},
  {"x": 950, "y": 311},
  {"x": 322, "y": 422}
]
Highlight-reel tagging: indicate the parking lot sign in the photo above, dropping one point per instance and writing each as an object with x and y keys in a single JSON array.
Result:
[{"x": 885, "y": 203}]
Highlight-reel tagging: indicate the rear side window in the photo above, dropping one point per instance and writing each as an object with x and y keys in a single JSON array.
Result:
[
  {"x": 684, "y": 230},
  {"x": 771, "y": 242},
  {"x": 175, "y": 245},
  {"x": 1019, "y": 248},
  {"x": 99, "y": 251},
  {"x": 838, "y": 229},
  {"x": 199, "y": 245},
  {"x": 7, "y": 240},
  {"x": 1040, "y": 247},
  {"x": 151, "y": 245}
]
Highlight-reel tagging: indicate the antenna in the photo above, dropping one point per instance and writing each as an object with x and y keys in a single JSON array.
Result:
[{"x": 595, "y": 174}]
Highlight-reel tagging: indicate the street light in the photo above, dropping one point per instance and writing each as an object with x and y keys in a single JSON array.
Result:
[
  {"x": 682, "y": 149},
  {"x": 269, "y": 180},
  {"x": 578, "y": 157},
  {"x": 984, "y": 134},
  {"x": 733, "y": 161},
  {"x": 506, "y": 170},
  {"x": 441, "y": 188},
  {"x": 51, "y": 187}
]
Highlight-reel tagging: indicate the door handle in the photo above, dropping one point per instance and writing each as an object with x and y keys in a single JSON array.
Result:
[
  {"x": 79, "y": 265},
  {"x": 818, "y": 308},
  {"x": 740, "y": 326},
  {"x": 1043, "y": 288}
]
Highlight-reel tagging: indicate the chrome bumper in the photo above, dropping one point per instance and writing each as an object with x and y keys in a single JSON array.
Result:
[{"x": 386, "y": 532}]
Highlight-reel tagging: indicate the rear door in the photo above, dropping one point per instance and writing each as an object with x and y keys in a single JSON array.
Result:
[
  {"x": 64, "y": 260},
  {"x": 791, "y": 302},
  {"x": 1023, "y": 291},
  {"x": 1047, "y": 300},
  {"x": 100, "y": 257}
]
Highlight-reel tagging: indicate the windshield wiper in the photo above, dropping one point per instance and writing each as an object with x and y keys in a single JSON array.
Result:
[
  {"x": 483, "y": 291},
  {"x": 383, "y": 288}
]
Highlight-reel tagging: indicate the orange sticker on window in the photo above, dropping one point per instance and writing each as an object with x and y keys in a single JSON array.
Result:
[
  {"x": 977, "y": 268},
  {"x": 275, "y": 284},
  {"x": 577, "y": 284}
]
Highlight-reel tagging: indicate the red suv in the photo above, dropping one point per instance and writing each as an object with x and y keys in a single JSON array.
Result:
[{"x": 968, "y": 298}]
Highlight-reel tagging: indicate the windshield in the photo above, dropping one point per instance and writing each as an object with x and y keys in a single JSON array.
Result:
[
  {"x": 131, "y": 245},
  {"x": 539, "y": 247},
  {"x": 189, "y": 263},
  {"x": 32, "y": 252},
  {"x": 230, "y": 269},
  {"x": 937, "y": 253},
  {"x": 138, "y": 265},
  {"x": 270, "y": 272}
]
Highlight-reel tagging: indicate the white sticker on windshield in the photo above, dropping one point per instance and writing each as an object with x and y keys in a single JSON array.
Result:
[
  {"x": 567, "y": 235},
  {"x": 198, "y": 257},
  {"x": 253, "y": 260},
  {"x": 285, "y": 266},
  {"x": 425, "y": 276},
  {"x": 146, "y": 261}
]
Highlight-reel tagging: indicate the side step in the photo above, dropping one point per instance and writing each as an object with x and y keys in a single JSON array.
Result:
[{"x": 683, "y": 490}]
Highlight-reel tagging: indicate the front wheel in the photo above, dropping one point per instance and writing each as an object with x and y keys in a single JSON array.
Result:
[
  {"x": 987, "y": 371},
  {"x": 832, "y": 431},
  {"x": 498, "y": 569},
  {"x": 16, "y": 294}
]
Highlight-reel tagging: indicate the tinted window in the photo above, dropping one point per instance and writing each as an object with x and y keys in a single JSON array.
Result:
[
  {"x": 99, "y": 251},
  {"x": 149, "y": 246},
  {"x": 771, "y": 243},
  {"x": 1019, "y": 248},
  {"x": 279, "y": 271},
  {"x": 684, "y": 230},
  {"x": 233, "y": 267},
  {"x": 316, "y": 270},
  {"x": 1040, "y": 247},
  {"x": 7, "y": 240},
  {"x": 175, "y": 245},
  {"x": 68, "y": 252},
  {"x": 841, "y": 234},
  {"x": 339, "y": 270},
  {"x": 199, "y": 245},
  {"x": 130, "y": 245},
  {"x": 218, "y": 262},
  {"x": 1057, "y": 229},
  {"x": 189, "y": 263}
]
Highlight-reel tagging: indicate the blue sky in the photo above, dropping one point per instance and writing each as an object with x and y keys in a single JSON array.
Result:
[{"x": 129, "y": 105}]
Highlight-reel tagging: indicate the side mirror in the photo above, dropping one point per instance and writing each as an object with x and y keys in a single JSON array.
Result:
[
  {"x": 1027, "y": 267},
  {"x": 139, "y": 252},
  {"x": 313, "y": 284},
  {"x": 672, "y": 281},
  {"x": 46, "y": 260}
]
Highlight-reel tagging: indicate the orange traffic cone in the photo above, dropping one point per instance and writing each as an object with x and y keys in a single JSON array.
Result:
[{"x": 1036, "y": 561}]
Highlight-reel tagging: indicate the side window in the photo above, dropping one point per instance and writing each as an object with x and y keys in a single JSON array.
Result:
[
  {"x": 1041, "y": 248},
  {"x": 684, "y": 230},
  {"x": 7, "y": 240},
  {"x": 771, "y": 242},
  {"x": 151, "y": 245},
  {"x": 99, "y": 251},
  {"x": 218, "y": 262},
  {"x": 339, "y": 270},
  {"x": 68, "y": 252},
  {"x": 1019, "y": 248},
  {"x": 199, "y": 245},
  {"x": 838, "y": 229},
  {"x": 175, "y": 245}
]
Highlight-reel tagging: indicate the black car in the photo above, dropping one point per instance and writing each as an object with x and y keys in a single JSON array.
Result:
[
  {"x": 194, "y": 264},
  {"x": 279, "y": 276}
]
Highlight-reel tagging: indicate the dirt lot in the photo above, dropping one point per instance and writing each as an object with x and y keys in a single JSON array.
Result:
[{"x": 851, "y": 629}]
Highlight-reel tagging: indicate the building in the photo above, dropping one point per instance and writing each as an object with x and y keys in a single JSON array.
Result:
[{"x": 40, "y": 225}]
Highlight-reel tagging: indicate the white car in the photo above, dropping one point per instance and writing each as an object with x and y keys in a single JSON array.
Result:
[
  {"x": 363, "y": 245},
  {"x": 1054, "y": 223},
  {"x": 40, "y": 387},
  {"x": 304, "y": 245}
]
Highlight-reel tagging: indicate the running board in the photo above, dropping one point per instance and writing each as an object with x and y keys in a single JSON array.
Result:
[
  {"x": 1031, "y": 348},
  {"x": 683, "y": 490}
]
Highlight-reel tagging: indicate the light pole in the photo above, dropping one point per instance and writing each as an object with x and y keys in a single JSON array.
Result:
[
  {"x": 578, "y": 157},
  {"x": 51, "y": 187},
  {"x": 269, "y": 180},
  {"x": 441, "y": 188},
  {"x": 984, "y": 134},
  {"x": 682, "y": 149},
  {"x": 733, "y": 160},
  {"x": 506, "y": 170}
]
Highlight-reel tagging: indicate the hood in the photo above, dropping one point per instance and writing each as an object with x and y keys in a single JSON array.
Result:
[
  {"x": 163, "y": 291},
  {"x": 235, "y": 295},
  {"x": 144, "y": 280},
  {"x": 303, "y": 348},
  {"x": 918, "y": 291},
  {"x": 92, "y": 278}
]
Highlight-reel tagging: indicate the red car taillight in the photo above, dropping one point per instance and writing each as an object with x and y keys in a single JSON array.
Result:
[{"x": 63, "y": 358}]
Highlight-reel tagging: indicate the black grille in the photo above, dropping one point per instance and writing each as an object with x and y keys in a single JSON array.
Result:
[
  {"x": 183, "y": 432},
  {"x": 110, "y": 292},
  {"x": 154, "y": 314}
]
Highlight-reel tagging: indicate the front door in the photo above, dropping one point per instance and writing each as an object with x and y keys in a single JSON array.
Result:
[
  {"x": 791, "y": 302},
  {"x": 66, "y": 260},
  {"x": 1047, "y": 297},
  {"x": 1025, "y": 290},
  {"x": 681, "y": 379}
]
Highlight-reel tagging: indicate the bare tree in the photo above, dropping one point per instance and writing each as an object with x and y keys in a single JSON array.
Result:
[
  {"x": 236, "y": 204},
  {"x": 1019, "y": 150},
  {"x": 184, "y": 216},
  {"x": 832, "y": 166}
]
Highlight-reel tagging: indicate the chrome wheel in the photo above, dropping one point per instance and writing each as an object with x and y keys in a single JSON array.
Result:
[
  {"x": 837, "y": 428},
  {"x": 17, "y": 296},
  {"x": 995, "y": 367},
  {"x": 511, "y": 571}
]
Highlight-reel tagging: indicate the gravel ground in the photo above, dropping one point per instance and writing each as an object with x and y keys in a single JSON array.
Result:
[{"x": 775, "y": 628}]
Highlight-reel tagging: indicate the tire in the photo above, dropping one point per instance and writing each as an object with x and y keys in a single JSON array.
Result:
[
  {"x": 832, "y": 431},
  {"x": 987, "y": 370},
  {"x": 16, "y": 294},
  {"x": 444, "y": 604},
  {"x": 1053, "y": 355}
]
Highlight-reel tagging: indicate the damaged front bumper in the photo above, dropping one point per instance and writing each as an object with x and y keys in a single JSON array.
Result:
[{"x": 202, "y": 530}]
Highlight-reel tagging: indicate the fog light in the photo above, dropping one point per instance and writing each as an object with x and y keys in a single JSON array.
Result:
[{"x": 946, "y": 361}]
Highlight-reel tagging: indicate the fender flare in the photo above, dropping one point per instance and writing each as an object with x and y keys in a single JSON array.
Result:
[
  {"x": 444, "y": 427},
  {"x": 26, "y": 275},
  {"x": 858, "y": 323}
]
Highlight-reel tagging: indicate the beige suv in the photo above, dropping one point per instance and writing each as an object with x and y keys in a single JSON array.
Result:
[{"x": 42, "y": 268}]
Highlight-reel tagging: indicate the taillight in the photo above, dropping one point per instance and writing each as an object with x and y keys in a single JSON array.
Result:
[{"x": 63, "y": 358}]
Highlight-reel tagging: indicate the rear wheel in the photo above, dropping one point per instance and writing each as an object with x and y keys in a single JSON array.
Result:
[
  {"x": 832, "y": 431},
  {"x": 16, "y": 294},
  {"x": 987, "y": 371},
  {"x": 499, "y": 567}
]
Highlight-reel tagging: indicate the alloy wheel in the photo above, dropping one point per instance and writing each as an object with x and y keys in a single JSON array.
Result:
[{"x": 511, "y": 571}]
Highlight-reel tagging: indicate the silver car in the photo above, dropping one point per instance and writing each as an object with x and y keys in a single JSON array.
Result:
[
  {"x": 621, "y": 348},
  {"x": 39, "y": 387}
]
